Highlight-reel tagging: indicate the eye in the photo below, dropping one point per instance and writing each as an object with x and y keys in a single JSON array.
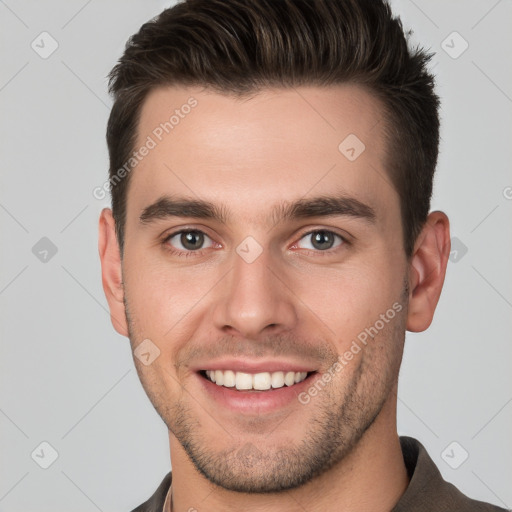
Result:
[
  {"x": 189, "y": 240},
  {"x": 320, "y": 240}
]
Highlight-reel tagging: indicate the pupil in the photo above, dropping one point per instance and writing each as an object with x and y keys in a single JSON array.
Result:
[
  {"x": 323, "y": 240},
  {"x": 192, "y": 240}
]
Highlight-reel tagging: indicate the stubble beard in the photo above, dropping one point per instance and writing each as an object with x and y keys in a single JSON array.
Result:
[{"x": 340, "y": 419}]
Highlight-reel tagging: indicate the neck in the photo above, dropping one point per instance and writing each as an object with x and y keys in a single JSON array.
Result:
[{"x": 372, "y": 477}]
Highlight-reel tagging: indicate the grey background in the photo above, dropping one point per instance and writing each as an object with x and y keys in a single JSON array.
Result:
[{"x": 68, "y": 379}]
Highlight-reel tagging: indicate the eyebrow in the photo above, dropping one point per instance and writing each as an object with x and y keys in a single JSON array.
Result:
[{"x": 321, "y": 206}]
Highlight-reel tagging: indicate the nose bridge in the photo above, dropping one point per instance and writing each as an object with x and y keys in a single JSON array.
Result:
[{"x": 254, "y": 298}]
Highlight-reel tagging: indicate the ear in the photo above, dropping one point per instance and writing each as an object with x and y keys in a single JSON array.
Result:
[
  {"x": 427, "y": 271},
  {"x": 111, "y": 274}
]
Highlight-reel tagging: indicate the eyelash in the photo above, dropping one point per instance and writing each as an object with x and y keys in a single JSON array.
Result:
[{"x": 199, "y": 252}]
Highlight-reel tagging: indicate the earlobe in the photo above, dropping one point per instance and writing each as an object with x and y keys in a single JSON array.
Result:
[
  {"x": 428, "y": 270},
  {"x": 111, "y": 273}
]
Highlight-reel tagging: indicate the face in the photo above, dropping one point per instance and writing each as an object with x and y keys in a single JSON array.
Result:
[{"x": 263, "y": 249}]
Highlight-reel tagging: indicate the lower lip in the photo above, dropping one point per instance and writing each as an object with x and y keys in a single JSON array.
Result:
[{"x": 256, "y": 402}]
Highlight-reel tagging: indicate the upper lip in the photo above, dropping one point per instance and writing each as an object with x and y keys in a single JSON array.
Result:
[{"x": 247, "y": 366}]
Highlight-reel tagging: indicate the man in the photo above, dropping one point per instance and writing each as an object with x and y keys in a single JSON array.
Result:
[{"x": 270, "y": 242}]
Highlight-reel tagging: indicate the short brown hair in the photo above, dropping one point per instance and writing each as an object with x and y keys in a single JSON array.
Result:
[{"x": 240, "y": 47}]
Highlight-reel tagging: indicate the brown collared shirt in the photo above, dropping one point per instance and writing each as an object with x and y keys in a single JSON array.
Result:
[{"x": 427, "y": 491}]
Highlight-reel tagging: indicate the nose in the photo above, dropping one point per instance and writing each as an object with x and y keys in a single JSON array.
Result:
[{"x": 255, "y": 299}]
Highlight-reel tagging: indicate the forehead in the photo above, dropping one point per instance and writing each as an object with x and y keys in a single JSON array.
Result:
[{"x": 251, "y": 153}]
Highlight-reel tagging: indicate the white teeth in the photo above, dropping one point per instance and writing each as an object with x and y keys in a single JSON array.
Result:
[
  {"x": 243, "y": 380},
  {"x": 260, "y": 381},
  {"x": 277, "y": 380},
  {"x": 289, "y": 379},
  {"x": 229, "y": 379}
]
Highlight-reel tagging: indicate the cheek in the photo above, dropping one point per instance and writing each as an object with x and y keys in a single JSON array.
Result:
[
  {"x": 351, "y": 299},
  {"x": 160, "y": 299}
]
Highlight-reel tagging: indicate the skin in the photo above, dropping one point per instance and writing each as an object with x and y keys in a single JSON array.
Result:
[{"x": 294, "y": 302}]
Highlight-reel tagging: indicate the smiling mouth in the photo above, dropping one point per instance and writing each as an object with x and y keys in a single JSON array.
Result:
[{"x": 263, "y": 381}]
